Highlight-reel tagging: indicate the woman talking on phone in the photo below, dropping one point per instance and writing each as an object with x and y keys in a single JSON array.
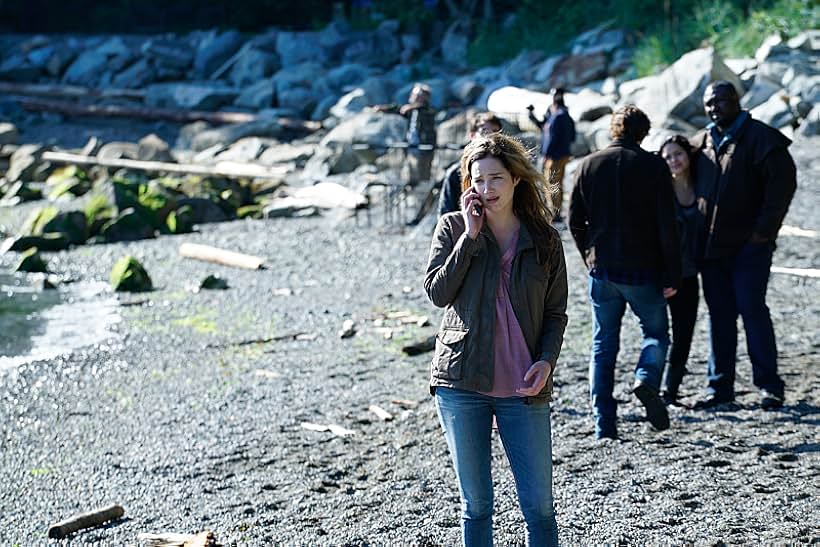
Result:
[{"x": 497, "y": 267}]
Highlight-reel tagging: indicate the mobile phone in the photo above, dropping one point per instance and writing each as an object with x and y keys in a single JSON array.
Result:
[{"x": 478, "y": 209}]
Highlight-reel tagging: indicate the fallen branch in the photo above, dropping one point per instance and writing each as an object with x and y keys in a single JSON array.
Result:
[
  {"x": 267, "y": 340},
  {"x": 85, "y": 520},
  {"x": 223, "y": 169},
  {"x": 220, "y": 256},
  {"x": 149, "y": 113}
]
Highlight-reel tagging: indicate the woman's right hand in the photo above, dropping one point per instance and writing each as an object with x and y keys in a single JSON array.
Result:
[{"x": 473, "y": 212}]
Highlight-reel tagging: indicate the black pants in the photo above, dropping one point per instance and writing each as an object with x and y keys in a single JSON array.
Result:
[{"x": 684, "y": 310}]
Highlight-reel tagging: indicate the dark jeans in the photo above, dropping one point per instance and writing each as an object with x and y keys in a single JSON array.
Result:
[
  {"x": 683, "y": 307},
  {"x": 735, "y": 286}
]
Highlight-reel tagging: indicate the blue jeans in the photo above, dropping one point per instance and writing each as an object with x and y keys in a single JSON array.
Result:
[
  {"x": 467, "y": 419},
  {"x": 735, "y": 286},
  {"x": 609, "y": 302}
]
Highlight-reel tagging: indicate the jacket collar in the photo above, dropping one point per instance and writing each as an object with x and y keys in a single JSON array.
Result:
[
  {"x": 623, "y": 143},
  {"x": 722, "y": 138}
]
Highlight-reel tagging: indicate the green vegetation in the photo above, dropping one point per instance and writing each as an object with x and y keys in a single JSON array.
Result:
[{"x": 662, "y": 30}]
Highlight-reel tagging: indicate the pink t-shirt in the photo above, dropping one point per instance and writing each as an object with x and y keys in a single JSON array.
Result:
[{"x": 512, "y": 357}]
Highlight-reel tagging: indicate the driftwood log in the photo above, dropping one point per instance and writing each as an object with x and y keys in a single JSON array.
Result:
[
  {"x": 67, "y": 91},
  {"x": 150, "y": 113},
  {"x": 222, "y": 169},
  {"x": 85, "y": 520},
  {"x": 220, "y": 256}
]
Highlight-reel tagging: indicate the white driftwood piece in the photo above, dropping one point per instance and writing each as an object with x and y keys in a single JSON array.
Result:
[{"x": 220, "y": 256}]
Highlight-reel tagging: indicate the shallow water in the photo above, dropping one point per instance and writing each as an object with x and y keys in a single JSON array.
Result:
[{"x": 38, "y": 324}]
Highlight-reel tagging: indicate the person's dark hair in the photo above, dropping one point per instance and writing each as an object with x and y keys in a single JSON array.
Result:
[
  {"x": 684, "y": 143},
  {"x": 558, "y": 95},
  {"x": 726, "y": 86},
  {"x": 530, "y": 203},
  {"x": 629, "y": 123},
  {"x": 485, "y": 117}
]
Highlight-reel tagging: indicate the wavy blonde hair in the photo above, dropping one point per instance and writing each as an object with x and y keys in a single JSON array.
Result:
[{"x": 530, "y": 200}]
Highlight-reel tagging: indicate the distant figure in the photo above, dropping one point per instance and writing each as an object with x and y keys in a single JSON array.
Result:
[
  {"x": 481, "y": 125},
  {"x": 497, "y": 268},
  {"x": 557, "y": 135},
  {"x": 746, "y": 179},
  {"x": 622, "y": 217},
  {"x": 421, "y": 132},
  {"x": 683, "y": 306}
]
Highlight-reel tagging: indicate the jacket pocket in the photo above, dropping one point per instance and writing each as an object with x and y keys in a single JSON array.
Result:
[{"x": 448, "y": 361}]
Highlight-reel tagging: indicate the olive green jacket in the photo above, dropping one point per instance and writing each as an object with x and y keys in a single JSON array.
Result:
[{"x": 462, "y": 277}]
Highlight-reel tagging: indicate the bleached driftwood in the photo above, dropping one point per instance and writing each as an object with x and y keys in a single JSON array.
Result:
[
  {"x": 220, "y": 256},
  {"x": 222, "y": 169}
]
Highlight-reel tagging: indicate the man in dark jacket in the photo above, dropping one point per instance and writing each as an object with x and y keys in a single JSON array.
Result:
[
  {"x": 746, "y": 180},
  {"x": 557, "y": 135},
  {"x": 622, "y": 217}
]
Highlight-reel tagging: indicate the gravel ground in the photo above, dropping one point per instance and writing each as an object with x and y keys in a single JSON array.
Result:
[{"x": 190, "y": 415}]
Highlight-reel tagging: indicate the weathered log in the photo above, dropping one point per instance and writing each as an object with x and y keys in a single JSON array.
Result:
[
  {"x": 85, "y": 520},
  {"x": 222, "y": 169},
  {"x": 220, "y": 256},
  {"x": 67, "y": 91},
  {"x": 149, "y": 113}
]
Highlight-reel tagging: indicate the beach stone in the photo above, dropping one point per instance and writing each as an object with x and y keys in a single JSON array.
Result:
[
  {"x": 24, "y": 163},
  {"x": 128, "y": 225},
  {"x": 810, "y": 126},
  {"x": 257, "y": 95},
  {"x": 8, "y": 133},
  {"x": 153, "y": 148},
  {"x": 129, "y": 275},
  {"x": 31, "y": 261}
]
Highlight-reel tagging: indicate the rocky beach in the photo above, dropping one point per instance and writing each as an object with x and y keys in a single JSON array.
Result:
[
  {"x": 190, "y": 414},
  {"x": 282, "y": 409}
]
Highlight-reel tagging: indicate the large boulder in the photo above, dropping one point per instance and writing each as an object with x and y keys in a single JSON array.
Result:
[
  {"x": 257, "y": 95},
  {"x": 678, "y": 90},
  {"x": 575, "y": 70},
  {"x": 251, "y": 66},
  {"x": 587, "y": 105},
  {"x": 760, "y": 92},
  {"x": 135, "y": 76},
  {"x": 774, "y": 112},
  {"x": 372, "y": 132},
  {"x": 810, "y": 126},
  {"x": 168, "y": 53},
  {"x": 455, "y": 43},
  {"x": 380, "y": 48},
  {"x": 189, "y": 96},
  {"x": 294, "y": 48},
  {"x": 214, "y": 50}
]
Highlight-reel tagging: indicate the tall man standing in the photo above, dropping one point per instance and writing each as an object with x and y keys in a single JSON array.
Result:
[
  {"x": 557, "y": 134},
  {"x": 622, "y": 217},
  {"x": 746, "y": 180}
]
